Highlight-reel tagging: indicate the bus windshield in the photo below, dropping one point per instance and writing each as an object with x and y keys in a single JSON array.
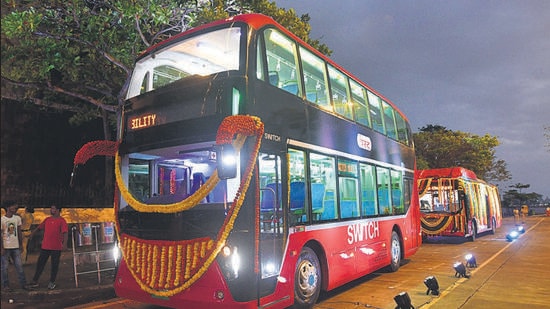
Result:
[
  {"x": 204, "y": 54},
  {"x": 168, "y": 176},
  {"x": 440, "y": 196}
]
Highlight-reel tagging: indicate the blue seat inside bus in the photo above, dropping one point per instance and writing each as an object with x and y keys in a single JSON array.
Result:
[
  {"x": 198, "y": 180},
  {"x": 349, "y": 209},
  {"x": 368, "y": 204},
  {"x": 268, "y": 201},
  {"x": 274, "y": 78},
  {"x": 311, "y": 97},
  {"x": 383, "y": 202},
  {"x": 317, "y": 198},
  {"x": 330, "y": 206},
  {"x": 297, "y": 196},
  {"x": 291, "y": 86}
]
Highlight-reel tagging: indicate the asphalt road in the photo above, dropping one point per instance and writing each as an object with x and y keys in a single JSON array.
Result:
[{"x": 508, "y": 275}]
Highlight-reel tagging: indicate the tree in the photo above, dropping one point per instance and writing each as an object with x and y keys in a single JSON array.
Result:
[
  {"x": 520, "y": 186},
  {"x": 78, "y": 55},
  {"x": 439, "y": 147},
  {"x": 513, "y": 198}
]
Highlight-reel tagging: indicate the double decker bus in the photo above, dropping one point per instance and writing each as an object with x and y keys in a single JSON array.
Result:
[
  {"x": 454, "y": 202},
  {"x": 252, "y": 171}
]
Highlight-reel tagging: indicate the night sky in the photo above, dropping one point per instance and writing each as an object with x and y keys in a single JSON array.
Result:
[{"x": 481, "y": 67}]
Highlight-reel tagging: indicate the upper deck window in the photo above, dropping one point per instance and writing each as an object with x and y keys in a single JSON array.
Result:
[
  {"x": 282, "y": 62},
  {"x": 205, "y": 54}
]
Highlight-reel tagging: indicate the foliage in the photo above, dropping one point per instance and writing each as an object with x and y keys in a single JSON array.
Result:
[
  {"x": 438, "y": 147},
  {"x": 513, "y": 198},
  {"x": 77, "y": 55}
]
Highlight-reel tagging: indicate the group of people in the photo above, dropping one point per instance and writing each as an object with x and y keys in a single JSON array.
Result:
[{"x": 16, "y": 232}]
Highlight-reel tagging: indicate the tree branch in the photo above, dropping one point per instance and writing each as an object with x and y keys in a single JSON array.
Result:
[{"x": 105, "y": 54}]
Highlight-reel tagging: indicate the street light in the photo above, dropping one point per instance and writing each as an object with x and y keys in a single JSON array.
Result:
[
  {"x": 460, "y": 270},
  {"x": 403, "y": 301},
  {"x": 432, "y": 285},
  {"x": 471, "y": 260},
  {"x": 512, "y": 235}
]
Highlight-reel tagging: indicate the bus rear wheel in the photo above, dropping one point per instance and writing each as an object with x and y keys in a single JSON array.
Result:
[
  {"x": 395, "y": 248},
  {"x": 307, "y": 279}
]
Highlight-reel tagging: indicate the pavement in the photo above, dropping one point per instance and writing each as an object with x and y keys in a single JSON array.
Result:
[
  {"x": 494, "y": 289},
  {"x": 93, "y": 286}
]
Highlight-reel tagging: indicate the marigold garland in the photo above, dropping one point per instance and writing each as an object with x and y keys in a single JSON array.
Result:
[
  {"x": 198, "y": 252},
  {"x": 95, "y": 148}
]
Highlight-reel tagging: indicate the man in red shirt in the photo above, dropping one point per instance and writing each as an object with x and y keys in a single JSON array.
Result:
[{"x": 54, "y": 241}]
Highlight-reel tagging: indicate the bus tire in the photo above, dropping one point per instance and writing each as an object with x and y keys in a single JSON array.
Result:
[
  {"x": 395, "y": 252},
  {"x": 307, "y": 279}
]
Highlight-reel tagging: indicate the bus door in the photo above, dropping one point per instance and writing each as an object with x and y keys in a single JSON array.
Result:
[{"x": 271, "y": 236}]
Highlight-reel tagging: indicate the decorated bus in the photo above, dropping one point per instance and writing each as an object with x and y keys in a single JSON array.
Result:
[
  {"x": 252, "y": 171},
  {"x": 454, "y": 202}
]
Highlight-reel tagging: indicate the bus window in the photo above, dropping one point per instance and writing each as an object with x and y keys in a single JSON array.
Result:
[
  {"x": 389, "y": 120},
  {"x": 402, "y": 130},
  {"x": 376, "y": 113},
  {"x": 139, "y": 179},
  {"x": 270, "y": 192},
  {"x": 359, "y": 99},
  {"x": 339, "y": 91},
  {"x": 368, "y": 190},
  {"x": 260, "y": 56},
  {"x": 348, "y": 188},
  {"x": 298, "y": 196},
  {"x": 407, "y": 193},
  {"x": 384, "y": 194},
  {"x": 282, "y": 62},
  {"x": 397, "y": 192},
  {"x": 323, "y": 186},
  {"x": 204, "y": 54},
  {"x": 315, "y": 79}
]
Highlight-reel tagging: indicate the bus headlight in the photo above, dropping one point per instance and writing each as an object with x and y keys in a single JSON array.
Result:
[
  {"x": 116, "y": 253},
  {"x": 227, "y": 161},
  {"x": 230, "y": 262}
]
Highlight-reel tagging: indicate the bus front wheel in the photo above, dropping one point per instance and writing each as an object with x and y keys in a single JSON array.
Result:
[
  {"x": 307, "y": 279},
  {"x": 395, "y": 248}
]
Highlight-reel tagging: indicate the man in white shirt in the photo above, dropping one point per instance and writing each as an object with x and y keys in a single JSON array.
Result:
[{"x": 11, "y": 246}]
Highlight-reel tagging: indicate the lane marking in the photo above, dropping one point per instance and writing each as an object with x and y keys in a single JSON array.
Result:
[{"x": 461, "y": 280}]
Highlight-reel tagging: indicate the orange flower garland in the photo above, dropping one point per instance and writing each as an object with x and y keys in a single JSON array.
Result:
[{"x": 157, "y": 278}]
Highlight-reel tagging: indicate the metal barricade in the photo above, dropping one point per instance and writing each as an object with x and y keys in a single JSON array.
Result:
[{"x": 104, "y": 259}]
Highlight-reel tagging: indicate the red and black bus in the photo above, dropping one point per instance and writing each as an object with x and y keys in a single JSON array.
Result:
[{"x": 319, "y": 189}]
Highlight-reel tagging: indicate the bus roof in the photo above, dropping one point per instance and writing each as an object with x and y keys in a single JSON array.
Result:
[
  {"x": 258, "y": 21},
  {"x": 449, "y": 172}
]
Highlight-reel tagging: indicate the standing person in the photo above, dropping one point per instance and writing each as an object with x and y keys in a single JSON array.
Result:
[
  {"x": 516, "y": 216},
  {"x": 28, "y": 218},
  {"x": 54, "y": 241},
  {"x": 11, "y": 246}
]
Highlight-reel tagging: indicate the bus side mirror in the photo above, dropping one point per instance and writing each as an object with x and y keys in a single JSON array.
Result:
[{"x": 226, "y": 158}]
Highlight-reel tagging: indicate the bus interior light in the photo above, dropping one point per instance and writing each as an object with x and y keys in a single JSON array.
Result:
[
  {"x": 403, "y": 301},
  {"x": 460, "y": 270},
  {"x": 432, "y": 285},
  {"x": 470, "y": 260}
]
